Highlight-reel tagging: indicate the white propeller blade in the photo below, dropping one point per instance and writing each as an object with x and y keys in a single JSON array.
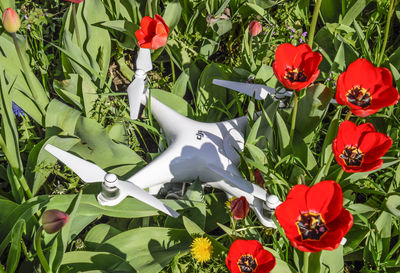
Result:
[
  {"x": 90, "y": 172},
  {"x": 137, "y": 88},
  {"x": 259, "y": 91},
  {"x": 239, "y": 182},
  {"x": 87, "y": 171},
  {"x": 135, "y": 93},
  {"x": 143, "y": 61},
  {"x": 141, "y": 195}
]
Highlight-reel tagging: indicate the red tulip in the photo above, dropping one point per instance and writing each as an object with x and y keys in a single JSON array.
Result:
[
  {"x": 296, "y": 67},
  {"x": 314, "y": 218},
  {"x": 53, "y": 220},
  {"x": 153, "y": 33},
  {"x": 249, "y": 257},
  {"x": 258, "y": 179},
  {"x": 255, "y": 28},
  {"x": 11, "y": 21},
  {"x": 359, "y": 148},
  {"x": 75, "y": 1},
  {"x": 239, "y": 208},
  {"x": 365, "y": 89}
]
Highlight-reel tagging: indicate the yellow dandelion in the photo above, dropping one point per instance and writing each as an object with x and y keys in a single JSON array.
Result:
[
  {"x": 228, "y": 203},
  {"x": 201, "y": 249}
]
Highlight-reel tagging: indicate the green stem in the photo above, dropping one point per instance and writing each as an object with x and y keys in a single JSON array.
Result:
[
  {"x": 233, "y": 225},
  {"x": 294, "y": 114},
  {"x": 311, "y": 262},
  {"x": 387, "y": 26},
  {"x": 306, "y": 260},
  {"x": 39, "y": 250},
  {"x": 251, "y": 48},
  {"x": 149, "y": 8},
  {"x": 78, "y": 37},
  {"x": 339, "y": 176},
  {"x": 343, "y": 7},
  {"x": 6, "y": 152},
  {"x": 24, "y": 68},
  {"x": 25, "y": 186},
  {"x": 328, "y": 164},
  {"x": 172, "y": 63},
  {"x": 14, "y": 166},
  {"x": 348, "y": 115},
  {"x": 27, "y": 254},
  {"x": 314, "y": 23}
]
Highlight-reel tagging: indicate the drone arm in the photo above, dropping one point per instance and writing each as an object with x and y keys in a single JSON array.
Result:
[
  {"x": 158, "y": 171},
  {"x": 236, "y": 181},
  {"x": 171, "y": 121},
  {"x": 257, "y": 207}
]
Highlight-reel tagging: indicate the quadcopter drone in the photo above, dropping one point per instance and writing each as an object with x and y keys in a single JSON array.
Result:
[{"x": 196, "y": 150}]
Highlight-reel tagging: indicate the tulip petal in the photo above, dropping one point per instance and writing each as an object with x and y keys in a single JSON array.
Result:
[
  {"x": 264, "y": 259},
  {"x": 158, "y": 18},
  {"x": 289, "y": 211},
  {"x": 159, "y": 40},
  {"x": 374, "y": 146},
  {"x": 361, "y": 72},
  {"x": 337, "y": 230},
  {"x": 148, "y": 25},
  {"x": 347, "y": 135},
  {"x": 384, "y": 96},
  {"x": 326, "y": 198},
  {"x": 285, "y": 54}
]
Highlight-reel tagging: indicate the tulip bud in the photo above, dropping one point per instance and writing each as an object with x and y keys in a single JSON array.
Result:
[
  {"x": 239, "y": 208},
  {"x": 53, "y": 220},
  {"x": 255, "y": 28},
  {"x": 11, "y": 21},
  {"x": 258, "y": 179}
]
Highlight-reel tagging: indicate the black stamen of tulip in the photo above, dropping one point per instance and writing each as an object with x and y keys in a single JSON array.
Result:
[
  {"x": 311, "y": 226},
  {"x": 247, "y": 264},
  {"x": 359, "y": 96},
  {"x": 295, "y": 76},
  {"x": 352, "y": 156}
]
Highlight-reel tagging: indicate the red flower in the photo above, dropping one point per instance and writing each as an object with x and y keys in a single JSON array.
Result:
[
  {"x": 314, "y": 218},
  {"x": 255, "y": 28},
  {"x": 11, "y": 21},
  {"x": 359, "y": 148},
  {"x": 296, "y": 67},
  {"x": 365, "y": 89},
  {"x": 74, "y": 1},
  {"x": 240, "y": 208},
  {"x": 258, "y": 178},
  {"x": 53, "y": 220},
  {"x": 153, "y": 33},
  {"x": 249, "y": 257}
]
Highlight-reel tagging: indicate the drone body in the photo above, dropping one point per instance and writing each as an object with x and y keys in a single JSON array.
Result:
[
  {"x": 197, "y": 150},
  {"x": 193, "y": 146}
]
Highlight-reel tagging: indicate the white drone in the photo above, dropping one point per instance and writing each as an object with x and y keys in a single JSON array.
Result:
[{"x": 197, "y": 150}]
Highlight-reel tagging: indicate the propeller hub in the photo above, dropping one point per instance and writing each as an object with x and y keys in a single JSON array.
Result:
[
  {"x": 110, "y": 178},
  {"x": 273, "y": 202},
  {"x": 109, "y": 188},
  {"x": 140, "y": 73}
]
